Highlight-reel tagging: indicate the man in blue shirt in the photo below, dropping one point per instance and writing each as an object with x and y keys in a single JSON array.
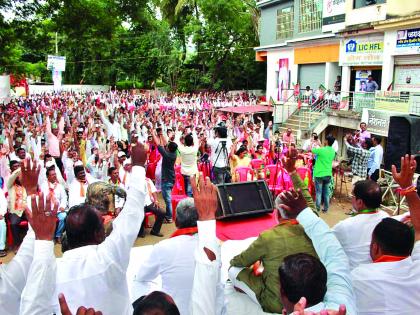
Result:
[
  {"x": 375, "y": 159},
  {"x": 371, "y": 85}
]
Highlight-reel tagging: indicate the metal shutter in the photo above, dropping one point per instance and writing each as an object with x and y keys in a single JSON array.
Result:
[
  {"x": 407, "y": 60},
  {"x": 312, "y": 75}
]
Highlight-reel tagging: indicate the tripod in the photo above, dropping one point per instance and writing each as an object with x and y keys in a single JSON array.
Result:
[
  {"x": 278, "y": 164},
  {"x": 225, "y": 172}
]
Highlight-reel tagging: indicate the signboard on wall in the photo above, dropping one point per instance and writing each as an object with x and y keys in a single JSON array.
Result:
[
  {"x": 392, "y": 101},
  {"x": 378, "y": 120},
  {"x": 408, "y": 39},
  {"x": 407, "y": 78},
  {"x": 361, "y": 51},
  {"x": 333, "y": 15}
]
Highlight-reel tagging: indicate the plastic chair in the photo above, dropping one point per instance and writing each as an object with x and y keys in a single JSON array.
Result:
[
  {"x": 205, "y": 168},
  {"x": 150, "y": 171},
  {"x": 256, "y": 164},
  {"x": 274, "y": 180},
  {"x": 303, "y": 172},
  {"x": 22, "y": 225},
  {"x": 243, "y": 172},
  {"x": 179, "y": 187},
  {"x": 147, "y": 215}
]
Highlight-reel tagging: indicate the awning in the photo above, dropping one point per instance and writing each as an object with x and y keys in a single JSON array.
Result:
[{"x": 247, "y": 109}]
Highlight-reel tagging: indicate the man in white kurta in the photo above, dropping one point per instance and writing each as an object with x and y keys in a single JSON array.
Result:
[
  {"x": 355, "y": 233},
  {"x": 95, "y": 275}
]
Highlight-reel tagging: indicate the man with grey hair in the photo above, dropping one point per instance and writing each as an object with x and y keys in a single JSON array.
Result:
[{"x": 173, "y": 258}]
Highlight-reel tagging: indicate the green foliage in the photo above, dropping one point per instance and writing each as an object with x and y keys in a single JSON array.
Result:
[{"x": 182, "y": 45}]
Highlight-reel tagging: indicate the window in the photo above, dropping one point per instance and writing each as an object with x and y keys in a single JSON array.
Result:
[
  {"x": 364, "y": 3},
  {"x": 310, "y": 15},
  {"x": 284, "y": 23}
]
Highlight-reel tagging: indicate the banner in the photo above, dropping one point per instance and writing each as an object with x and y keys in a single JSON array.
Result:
[
  {"x": 392, "y": 101},
  {"x": 333, "y": 15},
  {"x": 361, "y": 79},
  {"x": 377, "y": 121},
  {"x": 4, "y": 87},
  {"x": 407, "y": 78},
  {"x": 408, "y": 38},
  {"x": 57, "y": 63},
  {"x": 283, "y": 78},
  {"x": 361, "y": 51}
]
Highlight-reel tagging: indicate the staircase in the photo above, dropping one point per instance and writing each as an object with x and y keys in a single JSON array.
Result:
[{"x": 302, "y": 122}]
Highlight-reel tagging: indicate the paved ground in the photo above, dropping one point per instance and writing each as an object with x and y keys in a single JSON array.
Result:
[{"x": 337, "y": 212}]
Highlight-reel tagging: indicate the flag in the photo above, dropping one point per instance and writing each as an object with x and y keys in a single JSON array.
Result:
[
  {"x": 390, "y": 86},
  {"x": 299, "y": 103},
  {"x": 280, "y": 94},
  {"x": 272, "y": 101},
  {"x": 296, "y": 89}
]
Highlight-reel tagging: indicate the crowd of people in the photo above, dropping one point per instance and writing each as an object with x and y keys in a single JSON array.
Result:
[{"x": 84, "y": 169}]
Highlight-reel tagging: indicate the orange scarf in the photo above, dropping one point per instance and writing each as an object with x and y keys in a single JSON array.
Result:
[
  {"x": 185, "y": 231},
  {"x": 19, "y": 198},
  {"x": 51, "y": 192},
  {"x": 389, "y": 258},
  {"x": 288, "y": 221},
  {"x": 82, "y": 190}
]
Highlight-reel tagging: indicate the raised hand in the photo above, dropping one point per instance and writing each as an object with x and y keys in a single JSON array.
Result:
[
  {"x": 289, "y": 161},
  {"x": 293, "y": 203},
  {"x": 42, "y": 217},
  {"x": 29, "y": 176},
  {"x": 405, "y": 177},
  {"x": 80, "y": 311},
  {"x": 300, "y": 306},
  {"x": 205, "y": 197}
]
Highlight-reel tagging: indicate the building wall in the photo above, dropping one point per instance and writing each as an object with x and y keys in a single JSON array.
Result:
[{"x": 366, "y": 14}]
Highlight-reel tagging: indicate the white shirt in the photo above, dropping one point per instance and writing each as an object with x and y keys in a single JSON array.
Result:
[
  {"x": 75, "y": 196},
  {"x": 216, "y": 152},
  {"x": 13, "y": 276},
  {"x": 335, "y": 146},
  {"x": 173, "y": 260},
  {"x": 124, "y": 178},
  {"x": 189, "y": 159},
  {"x": 3, "y": 203},
  {"x": 95, "y": 275},
  {"x": 59, "y": 193},
  {"x": 112, "y": 129},
  {"x": 355, "y": 235},
  {"x": 40, "y": 285},
  {"x": 151, "y": 188},
  {"x": 389, "y": 287}
]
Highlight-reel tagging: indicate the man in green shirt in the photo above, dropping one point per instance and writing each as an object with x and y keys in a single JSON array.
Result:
[{"x": 323, "y": 172}]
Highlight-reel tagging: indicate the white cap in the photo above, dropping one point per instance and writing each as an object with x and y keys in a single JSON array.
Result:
[
  {"x": 49, "y": 164},
  {"x": 127, "y": 162},
  {"x": 121, "y": 154},
  {"x": 78, "y": 163}
]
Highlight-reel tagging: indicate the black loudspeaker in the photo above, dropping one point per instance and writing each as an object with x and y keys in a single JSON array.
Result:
[
  {"x": 244, "y": 199},
  {"x": 403, "y": 138}
]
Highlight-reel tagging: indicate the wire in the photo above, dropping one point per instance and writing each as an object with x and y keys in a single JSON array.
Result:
[{"x": 145, "y": 57}]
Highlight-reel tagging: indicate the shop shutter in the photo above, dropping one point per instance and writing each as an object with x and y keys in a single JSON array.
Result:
[
  {"x": 312, "y": 75},
  {"x": 407, "y": 60}
]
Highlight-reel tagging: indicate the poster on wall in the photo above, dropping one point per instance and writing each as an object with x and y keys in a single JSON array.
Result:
[
  {"x": 408, "y": 41},
  {"x": 407, "y": 78},
  {"x": 361, "y": 51},
  {"x": 283, "y": 79},
  {"x": 333, "y": 15},
  {"x": 361, "y": 79}
]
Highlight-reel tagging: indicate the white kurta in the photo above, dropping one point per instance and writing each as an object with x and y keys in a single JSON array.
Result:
[
  {"x": 389, "y": 287},
  {"x": 13, "y": 276},
  {"x": 355, "y": 235},
  {"x": 173, "y": 260},
  {"x": 95, "y": 275}
]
